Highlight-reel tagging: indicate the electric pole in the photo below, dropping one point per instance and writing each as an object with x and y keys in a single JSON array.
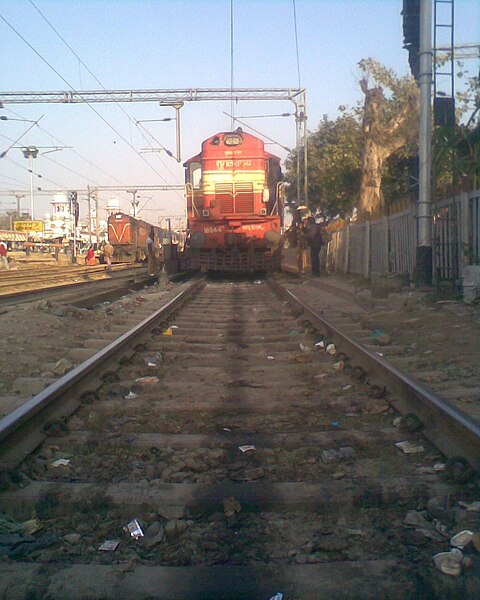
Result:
[
  {"x": 424, "y": 254},
  {"x": 31, "y": 152},
  {"x": 134, "y": 202}
]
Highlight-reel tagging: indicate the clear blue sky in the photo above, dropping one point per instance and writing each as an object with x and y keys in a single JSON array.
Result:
[{"x": 133, "y": 44}]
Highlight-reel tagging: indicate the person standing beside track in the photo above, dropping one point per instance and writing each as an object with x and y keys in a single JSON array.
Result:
[
  {"x": 3, "y": 255},
  {"x": 108, "y": 254},
  {"x": 302, "y": 246},
  {"x": 151, "y": 251},
  {"x": 90, "y": 257},
  {"x": 314, "y": 235}
]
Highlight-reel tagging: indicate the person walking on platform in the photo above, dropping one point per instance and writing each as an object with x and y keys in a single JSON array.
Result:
[
  {"x": 314, "y": 235},
  {"x": 3, "y": 255},
  {"x": 108, "y": 254}
]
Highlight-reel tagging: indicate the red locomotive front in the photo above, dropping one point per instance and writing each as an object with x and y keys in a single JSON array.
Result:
[
  {"x": 234, "y": 205},
  {"x": 128, "y": 237}
]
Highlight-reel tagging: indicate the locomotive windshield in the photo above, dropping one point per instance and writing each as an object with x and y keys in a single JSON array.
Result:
[{"x": 196, "y": 174}]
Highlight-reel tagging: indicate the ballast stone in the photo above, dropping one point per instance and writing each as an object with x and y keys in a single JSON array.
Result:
[{"x": 30, "y": 386}]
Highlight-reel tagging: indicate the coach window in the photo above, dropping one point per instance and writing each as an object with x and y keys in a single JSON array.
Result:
[{"x": 196, "y": 174}]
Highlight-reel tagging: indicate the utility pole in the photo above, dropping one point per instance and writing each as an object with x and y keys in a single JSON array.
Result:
[
  {"x": 133, "y": 202},
  {"x": 97, "y": 220},
  {"x": 18, "y": 197},
  {"x": 31, "y": 152},
  {"x": 89, "y": 200},
  {"x": 424, "y": 255}
]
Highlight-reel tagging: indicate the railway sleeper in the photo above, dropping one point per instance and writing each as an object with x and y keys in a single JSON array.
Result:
[{"x": 222, "y": 522}]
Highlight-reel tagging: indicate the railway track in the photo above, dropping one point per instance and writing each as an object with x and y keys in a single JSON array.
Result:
[
  {"x": 40, "y": 282},
  {"x": 443, "y": 358},
  {"x": 253, "y": 461}
]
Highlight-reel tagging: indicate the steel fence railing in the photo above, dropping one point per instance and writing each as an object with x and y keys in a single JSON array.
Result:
[
  {"x": 357, "y": 255},
  {"x": 388, "y": 245},
  {"x": 379, "y": 264},
  {"x": 402, "y": 243},
  {"x": 473, "y": 229}
]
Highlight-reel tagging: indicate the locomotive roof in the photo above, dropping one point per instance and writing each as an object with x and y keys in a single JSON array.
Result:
[{"x": 244, "y": 134}]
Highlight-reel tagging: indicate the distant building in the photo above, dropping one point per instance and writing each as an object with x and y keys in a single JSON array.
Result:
[
  {"x": 59, "y": 223},
  {"x": 113, "y": 206}
]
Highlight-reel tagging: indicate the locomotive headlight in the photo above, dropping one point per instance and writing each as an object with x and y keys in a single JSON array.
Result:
[
  {"x": 205, "y": 212},
  {"x": 266, "y": 195},
  {"x": 272, "y": 237}
]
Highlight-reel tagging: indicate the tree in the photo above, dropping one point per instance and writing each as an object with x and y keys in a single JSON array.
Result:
[
  {"x": 456, "y": 149},
  {"x": 334, "y": 152},
  {"x": 390, "y": 122}
]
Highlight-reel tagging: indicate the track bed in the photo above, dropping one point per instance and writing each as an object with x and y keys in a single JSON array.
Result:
[{"x": 240, "y": 369}]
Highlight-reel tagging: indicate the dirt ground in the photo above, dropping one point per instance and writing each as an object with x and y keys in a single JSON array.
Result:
[{"x": 35, "y": 339}]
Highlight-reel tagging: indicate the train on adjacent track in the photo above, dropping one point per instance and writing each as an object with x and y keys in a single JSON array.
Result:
[
  {"x": 234, "y": 201},
  {"x": 128, "y": 236}
]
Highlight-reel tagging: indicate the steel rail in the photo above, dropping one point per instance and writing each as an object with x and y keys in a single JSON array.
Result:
[
  {"x": 16, "y": 438},
  {"x": 447, "y": 427},
  {"x": 121, "y": 278}
]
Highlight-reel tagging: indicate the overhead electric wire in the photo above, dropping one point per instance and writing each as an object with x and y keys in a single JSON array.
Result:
[
  {"x": 296, "y": 42},
  {"x": 39, "y": 175},
  {"x": 53, "y": 137},
  {"x": 26, "y": 168},
  {"x": 4, "y": 153},
  {"x": 260, "y": 133},
  {"x": 74, "y": 151},
  {"x": 60, "y": 165},
  {"x": 232, "y": 103},
  {"x": 75, "y": 91},
  {"x": 159, "y": 143},
  {"x": 12, "y": 179},
  {"x": 90, "y": 72}
]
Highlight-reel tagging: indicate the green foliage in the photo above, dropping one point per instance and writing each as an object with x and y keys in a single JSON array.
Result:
[
  {"x": 399, "y": 111},
  {"x": 335, "y": 148},
  {"x": 334, "y": 160},
  {"x": 456, "y": 159}
]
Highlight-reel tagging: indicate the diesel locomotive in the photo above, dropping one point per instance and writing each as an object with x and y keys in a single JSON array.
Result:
[
  {"x": 234, "y": 202},
  {"x": 128, "y": 236}
]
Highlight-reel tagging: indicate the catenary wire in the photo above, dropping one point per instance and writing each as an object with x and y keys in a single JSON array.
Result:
[
  {"x": 53, "y": 137},
  {"x": 90, "y": 72},
  {"x": 296, "y": 41},
  {"x": 232, "y": 103},
  {"x": 75, "y": 91}
]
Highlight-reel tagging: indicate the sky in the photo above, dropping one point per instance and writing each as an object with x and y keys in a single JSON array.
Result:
[{"x": 177, "y": 44}]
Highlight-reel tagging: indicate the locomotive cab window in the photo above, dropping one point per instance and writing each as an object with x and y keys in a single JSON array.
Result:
[{"x": 196, "y": 174}]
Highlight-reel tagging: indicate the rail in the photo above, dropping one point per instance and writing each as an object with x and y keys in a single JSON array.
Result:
[
  {"x": 449, "y": 428},
  {"x": 42, "y": 408}
]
